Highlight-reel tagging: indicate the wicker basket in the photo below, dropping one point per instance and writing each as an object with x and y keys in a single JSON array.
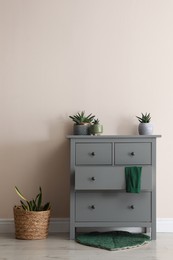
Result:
[{"x": 31, "y": 224}]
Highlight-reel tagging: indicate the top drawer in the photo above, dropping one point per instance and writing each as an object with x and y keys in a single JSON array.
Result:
[
  {"x": 93, "y": 153},
  {"x": 133, "y": 153}
]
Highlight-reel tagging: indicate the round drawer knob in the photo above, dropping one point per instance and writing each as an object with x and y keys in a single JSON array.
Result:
[
  {"x": 92, "y": 207},
  {"x": 132, "y": 207},
  {"x": 132, "y": 153},
  {"x": 93, "y": 153},
  {"x": 93, "y": 178}
]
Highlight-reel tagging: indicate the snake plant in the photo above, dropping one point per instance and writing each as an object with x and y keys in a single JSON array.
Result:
[{"x": 34, "y": 204}]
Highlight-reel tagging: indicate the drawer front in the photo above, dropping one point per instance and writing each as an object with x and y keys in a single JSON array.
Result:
[
  {"x": 93, "y": 154},
  {"x": 113, "y": 206},
  {"x": 108, "y": 178},
  {"x": 133, "y": 153}
]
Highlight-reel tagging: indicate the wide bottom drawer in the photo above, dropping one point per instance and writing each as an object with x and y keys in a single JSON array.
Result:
[{"x": 113, "y": 206}]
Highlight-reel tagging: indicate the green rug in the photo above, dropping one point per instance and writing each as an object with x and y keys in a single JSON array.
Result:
[{"x": 115, "y": 240}]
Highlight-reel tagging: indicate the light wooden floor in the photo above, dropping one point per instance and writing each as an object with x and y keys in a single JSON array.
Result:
[{"x": 58, "y": 246}]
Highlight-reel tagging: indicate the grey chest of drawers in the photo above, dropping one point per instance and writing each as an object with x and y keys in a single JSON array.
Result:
[{"x": 98, "y": 197}]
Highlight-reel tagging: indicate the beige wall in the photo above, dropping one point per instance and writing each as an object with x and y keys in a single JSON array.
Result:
[{"x": 113, "y": 58}]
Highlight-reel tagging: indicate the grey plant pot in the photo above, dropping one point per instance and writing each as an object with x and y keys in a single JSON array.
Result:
[
  {"x": 145, "y": 129},
  {"x": 81, "y": 129}
]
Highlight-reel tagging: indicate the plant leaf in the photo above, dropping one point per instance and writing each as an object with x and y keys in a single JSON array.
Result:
[
  {"x": 39, "y": 199},
  {"x": 24, "y": 206},
  {"x": 46, "y": 206},
  {"x": 19, "y": 193}
]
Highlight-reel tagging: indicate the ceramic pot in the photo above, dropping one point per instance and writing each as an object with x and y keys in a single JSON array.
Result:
[
  {"x": 96, "y": 129},
  {"x": 81, "y": 129},
  {"x": 145, "y": 129}
]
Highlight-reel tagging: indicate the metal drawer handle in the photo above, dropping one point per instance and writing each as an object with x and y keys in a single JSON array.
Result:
[
  {"x": 133, "y": 153},
  {"x": 132, "y": 207},
  {"x": 93, "y": 178},
  {"x": 92, "y": 207},
  {"x": 93, "y": 153}
]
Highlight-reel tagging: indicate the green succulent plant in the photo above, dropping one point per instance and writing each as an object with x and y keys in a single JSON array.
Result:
[
  {"x": 34, "y": 204},
  {"x": 96, "y": 121},
  {"x": 80, "y": 118},
  {"x": 145, "y": 118}
]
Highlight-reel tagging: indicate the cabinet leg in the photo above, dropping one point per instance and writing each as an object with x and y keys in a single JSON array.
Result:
[
  {"x": 146, "y": 230},
  {"x": 153, "y": 231},
  {"x": 153, "y": 234},
  {"x": 72, "y": 233}
]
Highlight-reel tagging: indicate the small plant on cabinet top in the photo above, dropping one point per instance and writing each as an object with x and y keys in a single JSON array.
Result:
[
  {"x": 96, "y": 121},
  {"x": 80, "y": 118},
  {"x": 145, "y": 118},
  {"x": 34, "y": 204},
  {"x": 96, "y": 128}
]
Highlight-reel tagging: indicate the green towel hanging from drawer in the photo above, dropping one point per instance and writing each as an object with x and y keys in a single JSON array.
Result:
[{"x": 133, "y": 179}]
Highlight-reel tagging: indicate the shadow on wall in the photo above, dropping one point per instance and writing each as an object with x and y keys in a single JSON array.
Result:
[{"x": 34, "y": 164}]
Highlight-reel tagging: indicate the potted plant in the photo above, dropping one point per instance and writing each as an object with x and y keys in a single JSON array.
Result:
[
  {"x": 82, "y": 123},
  {"x": 145, "y": 127},
  {"x": 31, "y": 218},
  {"x": 96, "y": 128}
]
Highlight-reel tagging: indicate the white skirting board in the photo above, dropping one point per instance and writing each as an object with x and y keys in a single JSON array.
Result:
[
  {"x": 165, "y": 225},
  {"x": 56, "y": 225},
  {"x": 59, "y": 225}
]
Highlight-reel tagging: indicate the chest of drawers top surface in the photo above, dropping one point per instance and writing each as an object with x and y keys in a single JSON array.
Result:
[{"x": 111, "y": 136}]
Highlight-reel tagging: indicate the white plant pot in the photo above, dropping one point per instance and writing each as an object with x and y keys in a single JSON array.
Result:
[{"x": 145, "y": 129}]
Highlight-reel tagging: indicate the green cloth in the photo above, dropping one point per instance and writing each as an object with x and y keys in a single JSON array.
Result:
[
  {"x": 114, "y": 240},
  {"x": 133, "y": 179}
]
